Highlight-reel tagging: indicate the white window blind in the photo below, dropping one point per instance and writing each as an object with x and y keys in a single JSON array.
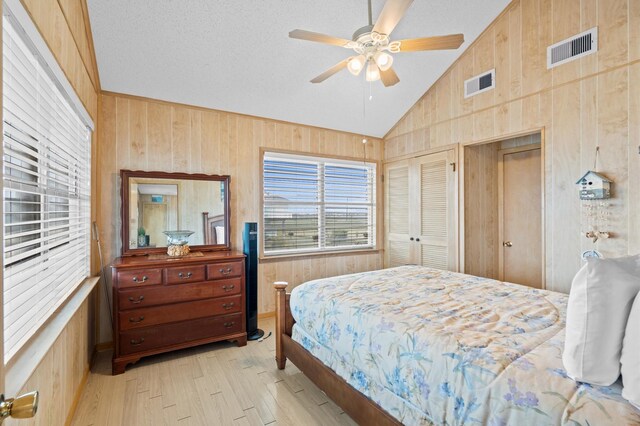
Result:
[
  {"x": 314, "y": 204},
  {"x": 46, "y": 187}
]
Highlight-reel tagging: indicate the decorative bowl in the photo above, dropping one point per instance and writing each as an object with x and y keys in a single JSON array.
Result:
[{"x": 178, "y": 238}]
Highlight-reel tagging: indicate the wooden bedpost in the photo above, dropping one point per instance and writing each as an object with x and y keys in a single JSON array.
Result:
[{"x": 281, "y": 312}]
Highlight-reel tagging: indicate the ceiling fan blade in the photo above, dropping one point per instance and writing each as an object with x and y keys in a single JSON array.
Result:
[
  {"x": 391, "y": 14},
  {"x": 452, "y": 41},
  {"x": 318, "y": 38},
  {"x": 389, "y": 77},
  {"x": 331, "y": 71}
]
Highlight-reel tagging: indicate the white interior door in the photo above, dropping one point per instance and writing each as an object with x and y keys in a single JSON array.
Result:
[
  {"x": 396, "y": 214},
  {"x": 436, "y": 214}
]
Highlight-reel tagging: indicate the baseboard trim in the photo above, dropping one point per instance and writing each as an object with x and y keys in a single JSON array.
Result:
[
  {"x": 104, "y": 346},
  {"x": 77, "y": 396}
]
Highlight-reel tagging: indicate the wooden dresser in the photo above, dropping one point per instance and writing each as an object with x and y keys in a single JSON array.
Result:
[{"x": 163, "y": 304}]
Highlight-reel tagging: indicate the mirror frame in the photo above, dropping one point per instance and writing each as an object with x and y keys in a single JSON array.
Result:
[{"x": 125, "y": 175}]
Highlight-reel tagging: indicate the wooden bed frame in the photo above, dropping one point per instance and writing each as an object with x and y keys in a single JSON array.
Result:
[{"x": 360, "y": 408}]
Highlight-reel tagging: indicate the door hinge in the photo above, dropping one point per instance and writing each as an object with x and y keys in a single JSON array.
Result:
[{"x": 382, "y": 178}]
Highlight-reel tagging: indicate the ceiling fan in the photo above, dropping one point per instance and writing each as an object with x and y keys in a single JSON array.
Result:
[{"x": 372, "y": 45}]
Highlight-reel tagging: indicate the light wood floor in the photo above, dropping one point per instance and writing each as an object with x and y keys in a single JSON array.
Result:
[{"x": 216, "y": 384}]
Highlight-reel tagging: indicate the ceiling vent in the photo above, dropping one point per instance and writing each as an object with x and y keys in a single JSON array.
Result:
[
  {"x": 572, "y": 48},
  {"x": 480, "y": 83}
]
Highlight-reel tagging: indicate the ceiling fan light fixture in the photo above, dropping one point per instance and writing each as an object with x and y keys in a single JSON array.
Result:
[
  {"x": 373, "y": 72},
  {"x": 356, "y": 64},
  {"x": 383, "y": 60}
]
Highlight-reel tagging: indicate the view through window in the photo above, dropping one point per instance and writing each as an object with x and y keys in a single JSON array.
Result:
[{"x": 314, "y": 204}]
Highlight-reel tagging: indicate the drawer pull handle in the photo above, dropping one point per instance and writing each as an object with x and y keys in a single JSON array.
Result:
[
  {"x": 136, "y": 320},
  {"x": 137, "y": 342},
  {"x": 225, "y": 271},
  {"x": 144, "y": 278},
  {"x": 228, "y": 287},
  {"x": 228, "y": 306},
  {"x": 135, "y": 302},
  {"x": 229, "y": 324},
  {"x": 187, "y": 275}
]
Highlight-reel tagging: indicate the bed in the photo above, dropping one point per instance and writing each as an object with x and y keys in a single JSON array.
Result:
[{"x": 415, "y": 345}]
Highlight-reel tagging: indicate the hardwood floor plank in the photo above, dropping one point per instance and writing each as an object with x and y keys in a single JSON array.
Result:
[{"x": 216, "y": 384}]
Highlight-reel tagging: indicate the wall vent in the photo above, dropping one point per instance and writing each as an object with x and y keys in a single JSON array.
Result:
[
  {"x": 480, "y": 83},
  {"x": 572, "y": 48}
]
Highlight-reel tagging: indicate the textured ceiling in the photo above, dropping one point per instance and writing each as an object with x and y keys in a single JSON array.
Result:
[{"x": 236, "y": 55}]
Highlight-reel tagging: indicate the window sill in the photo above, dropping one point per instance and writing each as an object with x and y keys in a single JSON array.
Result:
[
  {"x": 280, "y": 257},
  {"x": 25, "y": 362}
]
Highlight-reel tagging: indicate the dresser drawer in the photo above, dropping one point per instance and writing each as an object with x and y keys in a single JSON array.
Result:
[
  {"x": 144, "y": 317},
  {"x": 184, "y": 274},
  {"x": 224, "y": 270},
  {"x": 153, "y": 296},
  {"x": 139, "y": 277},
  {"x": 226, "y": 287},
  {"x": 143, "y": 339}
]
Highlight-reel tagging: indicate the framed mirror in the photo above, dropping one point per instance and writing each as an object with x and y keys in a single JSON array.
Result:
[{"x": 157, "y": 203}]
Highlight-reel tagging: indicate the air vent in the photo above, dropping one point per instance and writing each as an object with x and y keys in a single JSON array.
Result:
[
  {"x": 572, "y": 48},
  {"x": 480, "y": 83}
]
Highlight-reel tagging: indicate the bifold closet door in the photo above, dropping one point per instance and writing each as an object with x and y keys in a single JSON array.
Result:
[
  {"x": 435, "y": 212},
  {"x": 420, "y": 212},
  {"x": 396, "y": 214}
]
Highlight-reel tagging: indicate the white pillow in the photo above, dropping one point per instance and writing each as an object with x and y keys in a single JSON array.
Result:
[
  {"x": 601, "y": 296},
  {"x": 219, "y": 234},
  {"x": 630, "y": 359}
]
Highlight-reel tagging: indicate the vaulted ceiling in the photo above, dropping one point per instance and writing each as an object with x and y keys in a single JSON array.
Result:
[{"x": 236, "y": 56}]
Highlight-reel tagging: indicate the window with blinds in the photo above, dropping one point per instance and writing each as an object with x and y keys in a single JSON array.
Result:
[
  {"x": 314, "y": 204},
  {"x": 46, "y": 187}
]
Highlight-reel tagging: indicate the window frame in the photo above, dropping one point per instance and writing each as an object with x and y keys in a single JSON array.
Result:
[{"x": 325, "y": 251}]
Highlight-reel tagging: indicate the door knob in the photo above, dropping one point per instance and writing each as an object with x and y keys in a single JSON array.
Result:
[
  {"x": 22, "y": 407},
  {"x": 507, "y": 244}
]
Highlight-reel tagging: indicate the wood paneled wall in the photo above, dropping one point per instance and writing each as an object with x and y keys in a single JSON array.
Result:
[
  {"x": 593, "y": 101},
  {"x": 59, "y": 376},
  {"x": 481, "y": 197},
  {"x": 143, "y": 134},
  {"x": 62, "y": 372},
  {"x": 61, "y": 24}
]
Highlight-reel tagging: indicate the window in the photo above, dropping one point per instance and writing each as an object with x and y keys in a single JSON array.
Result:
[
  {"x": 314, "y": 204},
  {"x": 46, "y": 188}
]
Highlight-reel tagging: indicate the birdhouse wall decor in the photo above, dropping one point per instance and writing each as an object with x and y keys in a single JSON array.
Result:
[
  {"x": 594, "y": 189},
  {"x": 594, "y": 186}
]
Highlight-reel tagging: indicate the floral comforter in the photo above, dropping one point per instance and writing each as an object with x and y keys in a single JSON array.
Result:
[{"x": 437, "y": 347}]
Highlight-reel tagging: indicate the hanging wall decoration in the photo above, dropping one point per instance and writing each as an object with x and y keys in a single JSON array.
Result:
[{"x": 595, "y": 190}]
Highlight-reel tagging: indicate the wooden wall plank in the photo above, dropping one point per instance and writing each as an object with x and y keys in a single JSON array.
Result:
[
  {"x": 613, "y": 139},
  {"x": 564, "y": 156},
  {"x": 50, "y": 20},
  {"x": 633, "y": 206},
  {"x": 74, "y": 15},
  {"x": 481, "y": 198},
  {"x": 613, "y": 30}
]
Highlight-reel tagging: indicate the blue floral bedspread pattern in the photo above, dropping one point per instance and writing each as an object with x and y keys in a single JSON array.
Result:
[{"x": 437, "y": 347}]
